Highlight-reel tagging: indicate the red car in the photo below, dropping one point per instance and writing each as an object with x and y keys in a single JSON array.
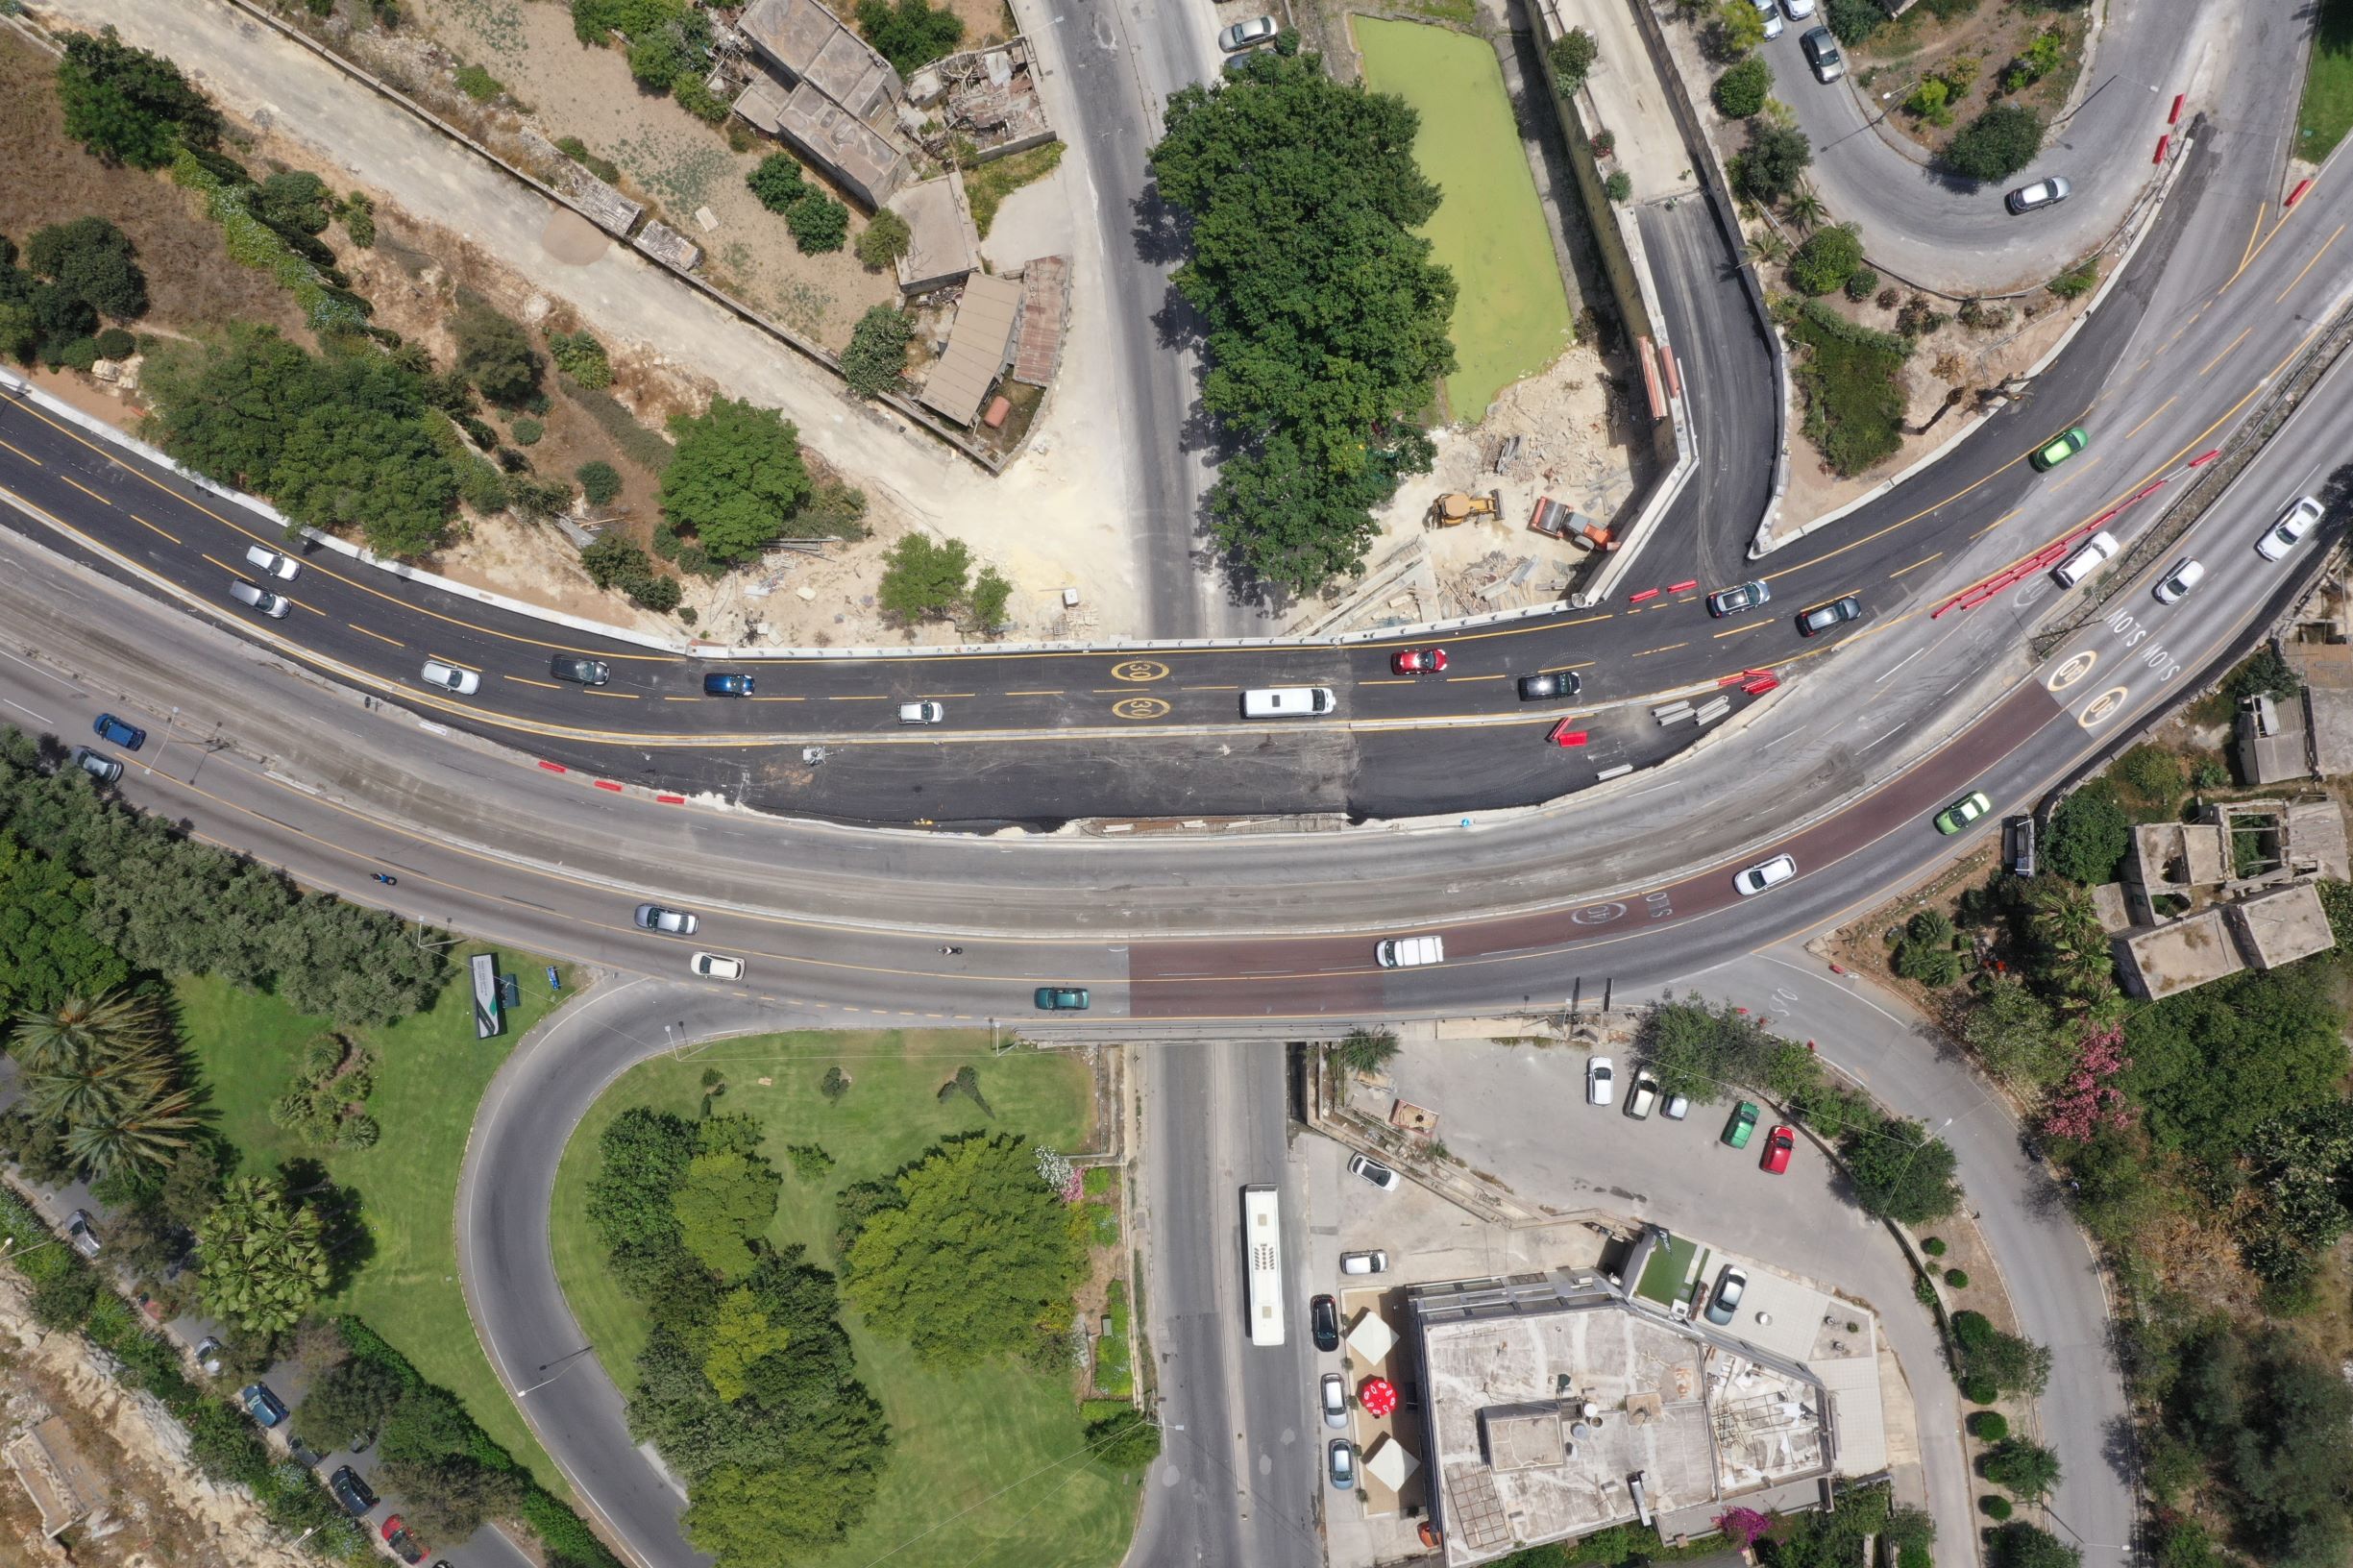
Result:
[
  {"x": 397, "y": 1537},
  {"x": 1419, "y": 661},
  {"x": 1778, "y": 1146}
]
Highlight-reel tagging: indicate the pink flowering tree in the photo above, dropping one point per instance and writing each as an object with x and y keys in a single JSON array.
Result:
[
  {"x": 2088, "y": 1098},
  {"x": 1742, "y": 1526},
  {"x": 1058, "y": 1174}
]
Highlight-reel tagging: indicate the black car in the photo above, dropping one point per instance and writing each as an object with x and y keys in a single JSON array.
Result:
[
  {"x": 351, "y": 1492},
  {"x": 583, "y": 672},
  {"x": 727, "y": 683},
  {"x": 1746, "y": 596},
  {"x": 1324, "y": 1322},
  {"x": 1551, "y": 684},
  {"x": 1822, "y": 617}
]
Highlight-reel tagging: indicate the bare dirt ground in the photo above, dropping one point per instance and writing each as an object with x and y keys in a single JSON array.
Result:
[
  {"x": 1919, "y": 43},
  {"x": 50, "y": 179},
  {"x": 666, "y": 156},
  {"x": 159, "y": 1508}
]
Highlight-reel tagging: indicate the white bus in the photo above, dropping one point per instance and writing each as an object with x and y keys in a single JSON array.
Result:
[{"x": 1263, "y": 1255}]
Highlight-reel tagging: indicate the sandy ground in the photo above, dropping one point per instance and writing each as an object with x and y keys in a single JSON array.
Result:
[
  {"x": 666, "y": 155},
  {"x": 1054, "y": 518},
  {"x": 161, "y": 1509},
  {"x": 1570, "y": 449}
]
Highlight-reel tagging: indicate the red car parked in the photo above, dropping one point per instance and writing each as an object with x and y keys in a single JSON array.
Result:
[
  {"x": 1778, "y": 1147},
  {"x": 1419, "y": 661},
  {"x": 397, "y": 1537}
]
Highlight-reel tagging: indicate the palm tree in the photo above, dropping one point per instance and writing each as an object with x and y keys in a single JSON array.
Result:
[
  {"x": 1772, "y": 247},
  {"x": 84, "y": 1030},
  {"x": 148, "y": 1134},
  {"x": 1803, "y": 206}
]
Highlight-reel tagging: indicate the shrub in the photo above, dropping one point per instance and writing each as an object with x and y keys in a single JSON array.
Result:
[
  {"x": 1572, "y": 56},
  {"x": 697, "y": 99},
  {"x": 127, "y": 106},
  {"x": 576, "y": 149},
  {"x": 1997, "y": 144},
  {"x": 1928, "y": 101},
  {"x": 657, "y": 59},
  {"x": 1957, "y": 1277},
  {"x": 886, "y": 239},
  {"x": 991, "y": 594},
  {"x": 818, "y": 223},
  {"x": 114, "y": 343},
  {"x": 911, "y": 34},
  {"x": 2151, "y": 772},
  {"x": 1862, "y": 285},
  {"x": 1994, "y": 1505},
  {"x": 495, "y": 355},
  {"x": 878, "y": 352},
  {"x": 1854, "y": 20},
  {"x": 1988, "y": 1426},
  {"x": 1934, "y": 1246},
  {"x": 2077, "y": 281},
  {"x": 91, "y": 260},
  {"x": 2089, "y": 835},
  {"x": 1767, "y": 168},
  {"x": 528, "y": 431},
  {"x": 1827, "y": 258},
  {"x": 777, "y": 182},
  {"x": 923, "y": 579},
  {"x": 580, "y": 357},
  {"x": 1605, "y": 143},
  {"x": 1744, "y": 87},
  {"x": 478, "y": 84},
  {"x": 1618, "y": 187},
  {"x": 599, "y": 482},
  {"x": 1980, "y": 1389}
]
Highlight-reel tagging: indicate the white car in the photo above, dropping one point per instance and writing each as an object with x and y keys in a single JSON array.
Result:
[
  {"x": 2187, "y": 574},
  {"x": 716, "y": 966},
  {"x": 1677, "y": 1108},
  {"x": 451, "y": 677},
  {"x": 1771, "y": 873},
  {"x": 274, "y": 563},
  {"x": 1642, "y": 1096},
  {"x": 1375, "y": 1172},
  {"x": 1601, "y": 1080},
  {"x": 921, "y": 712},
  {"x": 2097, "y": 549},
  {"x": 1799, "y": 9},
  {"x": 1374, "y": 1262},
  {"x": 1335, "y": 1400},
  {"x": 1772, "y": 13},
  {"x": 2290, "y": 531}
]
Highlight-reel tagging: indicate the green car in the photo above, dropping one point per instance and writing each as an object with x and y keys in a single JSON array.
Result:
[
  {"x": 1744, "y": 1122},
  {"x": 1963, "y": 812},
  {"x": 1061, "y": 998},
  {"x": 2065, "y": 445}
]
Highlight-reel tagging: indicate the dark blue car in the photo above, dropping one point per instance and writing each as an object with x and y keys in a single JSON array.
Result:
[
  {"x": 130, "y": 737},
  {"x": 727, "y": 683},
  {"x": 262, "y": 1404}
]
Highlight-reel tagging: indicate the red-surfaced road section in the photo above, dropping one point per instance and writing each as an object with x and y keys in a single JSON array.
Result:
[{"x": 1280, "y": 977}]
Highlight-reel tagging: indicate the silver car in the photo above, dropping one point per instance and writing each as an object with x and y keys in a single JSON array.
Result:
[
  {"x": 671, "y": 923},
  {"x": 1335, "y": 1400},
  {"x": 1248, "y": 34},
  {"x": 273, "y": 606},
  {"x": 1374, "y": 1262},
  {"x": 78, "y": 1231},
  {"x": 1725, "y": 1305},
  {"x": 2049, "y": 192},
  {"x": 274, "y": 563}
]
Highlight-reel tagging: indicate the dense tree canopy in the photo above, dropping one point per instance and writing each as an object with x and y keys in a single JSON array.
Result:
[
  {"x": 128, "y": 106},
  {"x": 265, "y": 1256},
  {"x": 1706, "y": 1053},
  {"x": 1997, "y": 143},
  {"x": 909, "y": 33},
  {"x": 2212, "y": 1064},
  {"x": 46, "y": 950},
  {"x": 495, "y": 355},
  {"x": 92, "y": 259},
  {"x": 2275, "y": 1423},
  {"x": 736, "y": 477},
  {"x": 978, "y": 1257},
  {"x": 2089, "y": 834},
  {"x": 1327, "y": 319},
  {"x": 1901, "y": 1172},
  {"x": 877, "y": 352}
]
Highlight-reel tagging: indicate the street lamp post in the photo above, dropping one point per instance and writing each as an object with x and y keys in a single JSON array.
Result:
[{"x": 567, "y": 1363}]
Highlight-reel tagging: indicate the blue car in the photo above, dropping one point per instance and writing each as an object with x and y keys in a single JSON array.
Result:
[
  {"x": 130, "y": 737},
  {"x": 726, "y": 684},
  {"x": 1061, "y": 998},
  {"x": 262, "y": 1404}
]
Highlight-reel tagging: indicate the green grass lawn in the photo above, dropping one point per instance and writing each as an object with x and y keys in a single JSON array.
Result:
[
  {"x": 2326, "y": 113},
  {"x": 1512, "y": 316},
  {"x": 430, "y": 1073},
  {"x": 1855, "y": 401},
  {"x": 985, "y": 1455}
]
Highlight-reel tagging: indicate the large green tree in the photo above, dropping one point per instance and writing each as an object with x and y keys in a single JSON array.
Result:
[
  {"x": 128, "y": 106},
  {"x": 265, "y": 1256},
  {"x": 1997, "y": 143},
  {"x": 367, "y": 466},
  {"x": 1705, "y": 1053},
  {"x": 736, "y": 477},
  {"x": 93, "y": 260},
  {"x": 349, "y": 1406},
  {"x": 1325, "y": 317},
  {"x": 46, "y": 953},
  {"x": 1901, "y": 1172},
  {"x": 2211, "y": 1066},
  {"x": 724, "y": 1202},
  {"x": 976, "y": 1260}
]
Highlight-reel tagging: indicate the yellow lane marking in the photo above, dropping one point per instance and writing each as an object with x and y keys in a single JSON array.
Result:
[
  {"x": 2234, "y": 343},
  {"x": 780, "y": 700},
  {"x": 1556, "y": 669},
  {"x": 1056, "y": 693},
  {"x": 520, "y": 680},
  {"x": 1377, "y": 680},
  {"x": 681, "y": 698},
  {"x": 1212, "y": 688},
  {"x": 878, "y": 697},
  {"x": 1996, "y": 524},
  {"x": 134, "y": 517},
  {"x": 1917, "y": 565},
  {"x": 2248, "y": 253},
  {"x": 1669, "y": 648},
  {"x": 2309, "y": 265},
  {"x": 599, "y": 691},
  {"x": 1754, "y": 625},
  {"x": 1452, "y": 680},
  {"x": 2144, "y": 424},
  {"x": 21, "y": 452},
  {"x": 377, "y": 635},
  {"x": 86, "y": 490}
]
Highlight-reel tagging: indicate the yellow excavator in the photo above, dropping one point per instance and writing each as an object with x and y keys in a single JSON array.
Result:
[{"x": 1458, "y": 506}]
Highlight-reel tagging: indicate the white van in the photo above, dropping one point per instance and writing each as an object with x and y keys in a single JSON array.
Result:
[
  {"x": 1287, "y": 701},
  {"x": 2085, "y": 561},
  {"x": 1411, "y": 952}
]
